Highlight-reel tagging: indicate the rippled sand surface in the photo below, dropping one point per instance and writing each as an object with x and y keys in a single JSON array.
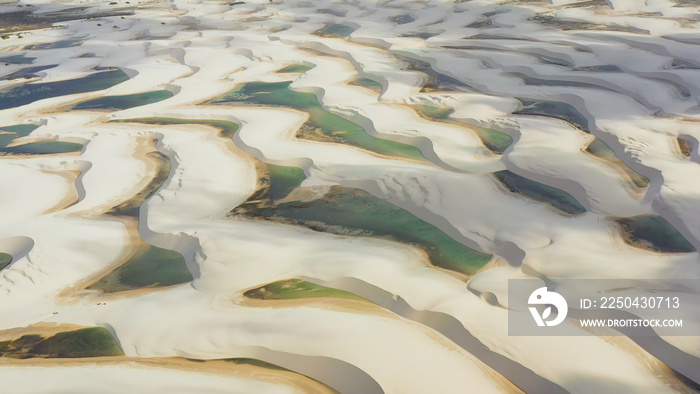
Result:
[{"x": 319, "y": 196}]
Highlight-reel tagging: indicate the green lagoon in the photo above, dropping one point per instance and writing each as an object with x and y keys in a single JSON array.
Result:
[
  {"x": 554, "y": 109},
  {"x": 29, "y": 93},
  {"x": 124, "y": 102},
  {"x": 654, "y": 233},
  {"x": 557, "y": 198},
  {"x": 150, "y": 267},
  {"x": 332, "y": 126},
  {"x": 294, "y": 68},
  {"x": 44, "y": 148},
  {"x": 368, "y": 83},
  {"x": 228, "y": 129},
  {"x": 349, "y": 211},
  {"x": 33, "y": 148},
  {"x": 86, "y": 342},
  {"x": 5, "y": 260},
  {"x": 282, "y": 180},
  {"x": 496, "y": 141},
  {"x": 14, "y": 132},
  {"x": 294, "y": 289},
  {"x": 335, "y": 30},
  {"x": 600, "y": 149}
]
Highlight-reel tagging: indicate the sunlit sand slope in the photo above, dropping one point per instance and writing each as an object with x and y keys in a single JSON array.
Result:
[{"x": 338, "y": 192}]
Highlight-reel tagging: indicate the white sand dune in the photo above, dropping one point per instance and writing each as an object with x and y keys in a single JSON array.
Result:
[
  {"x": 131, "y": 377},
  {"x": 623, "y": 71}
]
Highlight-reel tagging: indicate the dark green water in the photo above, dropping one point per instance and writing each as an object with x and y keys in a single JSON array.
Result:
[
  {"x": 436, "y": 80},
  {"x": 423, "y": 35},
  {"x": 339, "y": 129},
  {"x": 553, "y": 82},
  {"x": 150, "y": 267},
  {"x": 282, "y": 180},
  {"x": 368, "y": 83},
  {"x": 433, "y": 112},
  {"x": 125, "y": 101},
  {"x": 34, "y": 148},
  {"x": 295, "y": 68},
  {"x": 494, "y": 140},
  {"x": 5, "y": 260},
  {"x": 56, "y": 45},
  {"x": 29, "y": 93},
  {"x": 403, "y": 19},
  {"x": 600, "y": 149},
  {"x": 27, "y": 72},
  {"x": 228, "y": 129},
  {"x": 654, "y": 233},
  {"x": 351, "y": 211},
  {"x": 609, "y": 68},
  {"x": 555, "y": 60},
  {"x": 86, "y": 342},
  {"x": 294, "y": 289},
  {"x": 540, "y": 192},
  {"x": 256, "y": 363},
  {"x": 685, "y": 146},
  {"x": 14, "y": 132},
  {"x": 44, "y": 148},
  {"x": 336, "y": 30},
  {"x": 554, "y": 109},
  {"x": 18, "y": 59}
]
